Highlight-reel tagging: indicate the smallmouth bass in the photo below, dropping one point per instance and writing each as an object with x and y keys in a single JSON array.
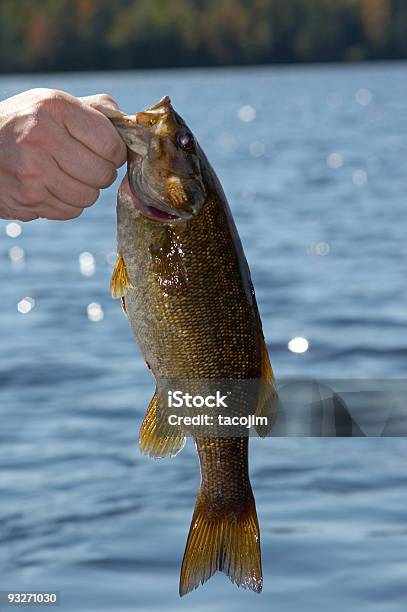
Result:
[{"x": 185, "y": 286}]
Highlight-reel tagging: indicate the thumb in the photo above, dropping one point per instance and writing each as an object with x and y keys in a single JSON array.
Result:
[{"x": 103, "y": 103}]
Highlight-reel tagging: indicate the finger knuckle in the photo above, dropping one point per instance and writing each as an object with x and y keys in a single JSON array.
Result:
[
  {"x": 118, "y": 152},
  {"x": 53, "y": 216},
  {"x": 92, "y": 197},
  {"x": 112, "y": 148},
  {"x": 42, "y": 92},
  {"x": 22, "y": 171},
  {"x": 31, "y": 194},
  {"x": 27, "y": 130},
  {"x": 95, "y": 196},
  {"x": 105, "y": 97},
  {"x": 25, "y": 169},
  {"x": 40, "y": 96},
  {"x": 26, "y": 215},
  {"x": 52, "y": 101},
  {"x": 109, "y": 176},
  {"x": 76, "y": 213}
]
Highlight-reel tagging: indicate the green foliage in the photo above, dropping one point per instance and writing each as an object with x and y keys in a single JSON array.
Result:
[{"x": 93, "y": 34}]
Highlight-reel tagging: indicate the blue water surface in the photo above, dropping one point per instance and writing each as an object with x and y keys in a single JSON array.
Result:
[{"x": 317, "y": 182}]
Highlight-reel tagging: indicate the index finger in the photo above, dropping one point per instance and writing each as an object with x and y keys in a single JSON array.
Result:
[{"x": 94, "y": 130}]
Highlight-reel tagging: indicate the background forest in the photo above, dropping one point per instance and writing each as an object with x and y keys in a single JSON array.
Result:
[{"x": 40, "y": 35}]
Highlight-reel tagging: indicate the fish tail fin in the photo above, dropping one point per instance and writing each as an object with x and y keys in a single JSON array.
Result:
[{"x": 228, "y": 543}]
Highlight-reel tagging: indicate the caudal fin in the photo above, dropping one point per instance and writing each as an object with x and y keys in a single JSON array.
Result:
[{"x": 228, "y": 543}]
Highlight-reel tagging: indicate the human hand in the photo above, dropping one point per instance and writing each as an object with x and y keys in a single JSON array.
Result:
[{"x": 56, "y": 153}]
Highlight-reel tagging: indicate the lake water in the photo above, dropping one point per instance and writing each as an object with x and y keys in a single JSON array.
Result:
[{"x": 317, "y": 182}]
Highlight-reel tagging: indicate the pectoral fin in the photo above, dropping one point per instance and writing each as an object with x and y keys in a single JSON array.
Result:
[
  {"x": 157, "y": 437},
  {"x": 268, "y": 398},
  {"x": 120, "y": 282}
]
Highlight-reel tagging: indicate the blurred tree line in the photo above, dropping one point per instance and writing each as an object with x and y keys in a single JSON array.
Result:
[{"x": 109, "y": 34}]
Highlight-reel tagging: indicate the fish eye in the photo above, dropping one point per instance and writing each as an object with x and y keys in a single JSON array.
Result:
[{"x": 185, "y": 139}]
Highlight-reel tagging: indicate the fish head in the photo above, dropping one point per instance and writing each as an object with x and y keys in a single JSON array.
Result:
[{"x": 164, "y": 170}]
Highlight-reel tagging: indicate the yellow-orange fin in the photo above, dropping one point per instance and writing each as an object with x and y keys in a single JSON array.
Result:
[
  {"x": 228, "y": 543},
  {"x": 120, "y": 282},
  {"x": 157, "y": 437},
  {"x": 268, "y": 398}
]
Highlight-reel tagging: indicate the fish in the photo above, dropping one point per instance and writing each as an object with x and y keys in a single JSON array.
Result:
[{"x": 185, "y": 286}]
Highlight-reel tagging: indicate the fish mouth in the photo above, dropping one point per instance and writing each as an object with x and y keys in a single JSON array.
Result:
[
  {"x": 158, "y": 213},
  {"x": 161, "y": 214}
]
